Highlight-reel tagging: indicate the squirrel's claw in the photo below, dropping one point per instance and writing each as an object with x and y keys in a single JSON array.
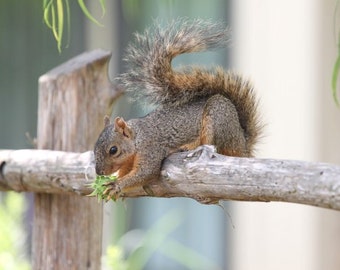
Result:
[
  {"x": 112, "y": 191},
  {"x": 107, "y": 184}
]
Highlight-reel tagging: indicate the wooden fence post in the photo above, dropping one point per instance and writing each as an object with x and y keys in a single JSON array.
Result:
[{"x": 67, "y": 230}]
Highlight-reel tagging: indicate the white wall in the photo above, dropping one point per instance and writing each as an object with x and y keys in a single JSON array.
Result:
[{"x": 282, "y": 46}]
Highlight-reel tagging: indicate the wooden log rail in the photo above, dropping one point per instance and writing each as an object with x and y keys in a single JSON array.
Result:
[{"x": 200, "y": 174}]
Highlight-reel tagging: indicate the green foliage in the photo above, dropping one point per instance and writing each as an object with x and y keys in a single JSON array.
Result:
[
  {"x": 99, "y": 186},
  {"x": 55, "y": 12},
  {"x": 336, "y": 67},
  {"x": 12, "y": 235},
  {"x": 114, "y": 258},
  {"x": 157, "y": 238},
  {"x": 335, "y": 75},
  {"x": 88, "y": 14}
]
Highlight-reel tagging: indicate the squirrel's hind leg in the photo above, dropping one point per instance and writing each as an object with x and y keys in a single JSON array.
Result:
[{"x": 221, "y": 127}]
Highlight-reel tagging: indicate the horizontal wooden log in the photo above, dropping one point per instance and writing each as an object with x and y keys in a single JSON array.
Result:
[
  {"x": 200, "y": 174},
  {"x": 46, "y": 171}
]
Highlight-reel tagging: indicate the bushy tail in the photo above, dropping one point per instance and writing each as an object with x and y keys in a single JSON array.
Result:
[{"x": 150, "y": 74}]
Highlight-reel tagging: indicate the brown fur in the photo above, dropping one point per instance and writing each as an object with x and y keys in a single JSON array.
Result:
[
  {"x": 151, "y": 75},
  {"x": 195, "y": 106},
  {"x": 129, "y": 165}
]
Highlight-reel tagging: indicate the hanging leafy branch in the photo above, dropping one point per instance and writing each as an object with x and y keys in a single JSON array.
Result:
[
  {"x": 57, "y": 15},
  {"x": 336, "y": 67},
  {"x": 335, "y": 74}
]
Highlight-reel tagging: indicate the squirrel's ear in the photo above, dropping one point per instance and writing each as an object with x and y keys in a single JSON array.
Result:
[
  {"x": 122, "y": 127},
  {"x": 107, "y": 121}
]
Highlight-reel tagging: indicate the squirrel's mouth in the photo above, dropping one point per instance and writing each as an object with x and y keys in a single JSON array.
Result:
[
  {"x": 114, "y": 168},
  {"x": 108, "y": 170}
]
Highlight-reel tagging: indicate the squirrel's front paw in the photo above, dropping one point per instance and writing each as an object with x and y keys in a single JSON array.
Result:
[{"x": 112, "y": 191}]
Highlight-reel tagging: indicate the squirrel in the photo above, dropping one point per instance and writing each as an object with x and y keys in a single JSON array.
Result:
[{"x": 195, "y": 106}]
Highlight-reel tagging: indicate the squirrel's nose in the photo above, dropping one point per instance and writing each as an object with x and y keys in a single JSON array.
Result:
[{"x": 99, "y": 171}]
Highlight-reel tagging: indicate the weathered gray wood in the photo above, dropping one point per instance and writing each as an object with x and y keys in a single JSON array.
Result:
[
  {"x": 45, "y": 171},
  {"x": 73, "y": 98},
  {"x": 200, "y": 174}
]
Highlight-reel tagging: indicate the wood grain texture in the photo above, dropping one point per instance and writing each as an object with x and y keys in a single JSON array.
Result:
[
  {"x": 200, "y": 174},
  {"x": 73, "y": 98},
  {"x": 45, "y": 171}
]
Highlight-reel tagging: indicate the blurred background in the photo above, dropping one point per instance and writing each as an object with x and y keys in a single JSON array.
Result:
[{"x": 286, "y": 48}]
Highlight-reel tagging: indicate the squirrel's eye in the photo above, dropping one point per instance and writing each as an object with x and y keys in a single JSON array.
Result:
[{"x": 113, "y": 150}]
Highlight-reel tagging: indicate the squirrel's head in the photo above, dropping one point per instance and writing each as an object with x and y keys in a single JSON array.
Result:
[{"x": 114, "y": 147}]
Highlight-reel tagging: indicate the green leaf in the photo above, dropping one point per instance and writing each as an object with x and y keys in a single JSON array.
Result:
[
  {"x": 102, "y": 5},
  {"x": 98, "y": 186},
  {"x": 68, "y": 14},
  {"x": 60, "y": 12},
  {"x": 57, "y": 12},
  {"x": 186, "y": 256},
  {"x": 54, "y": 28},
  {"x": 12, "y": 232},
  {"x": 54, "y": 19},
  {"x": 335, "y": 76},
  {"x": 87, "y": 13},
  {"x": 47, "y": 10},
  {"x": 336, "y": 67},
  {"x": 154, "y": 238}
]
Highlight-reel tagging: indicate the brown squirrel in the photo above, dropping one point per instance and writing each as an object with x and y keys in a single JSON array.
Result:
[{"x": 195, "y": 106}]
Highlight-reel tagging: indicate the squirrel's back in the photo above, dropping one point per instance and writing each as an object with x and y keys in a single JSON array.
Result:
[{"x": 150, "y": 74}]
